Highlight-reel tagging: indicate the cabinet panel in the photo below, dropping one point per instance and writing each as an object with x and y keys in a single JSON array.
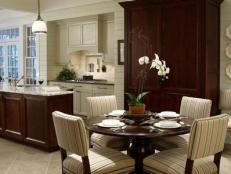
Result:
[
  {"x": 101, "y": 90},
  {"x": 13, "y": 113},
  {"x": 89, "y": 33},
  {"x": 77, "y": 102},
  {"x": 35, "y": 122},
  {"x": 74, "y": 35}
]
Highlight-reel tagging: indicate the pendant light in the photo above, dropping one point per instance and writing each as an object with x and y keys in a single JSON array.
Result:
[{"x": 39, "y": 26}]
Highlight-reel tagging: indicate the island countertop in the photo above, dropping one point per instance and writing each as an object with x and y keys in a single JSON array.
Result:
[{"x": 32, "y": 91}]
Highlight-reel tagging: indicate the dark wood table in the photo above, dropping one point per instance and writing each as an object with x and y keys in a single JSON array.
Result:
[{"x": 140, "y": 137}]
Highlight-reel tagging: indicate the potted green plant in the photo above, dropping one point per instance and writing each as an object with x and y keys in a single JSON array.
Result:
[
  {"x": 136, "y": 105},
  {"x": 66, "y": 74}
]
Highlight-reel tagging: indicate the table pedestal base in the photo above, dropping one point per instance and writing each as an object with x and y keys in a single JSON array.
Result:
[{"x": 138, "y": 149}]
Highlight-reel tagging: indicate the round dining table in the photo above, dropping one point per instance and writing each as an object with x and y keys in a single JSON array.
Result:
[{"x": 140, "y": 136}]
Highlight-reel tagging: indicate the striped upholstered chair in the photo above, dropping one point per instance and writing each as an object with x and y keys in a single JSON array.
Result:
[
  {"x": 98, "y": 106},
  {"x": 190, "y": 107},
  {"x": 77, "y": 158},
  {"x": 206, "y": 139}
]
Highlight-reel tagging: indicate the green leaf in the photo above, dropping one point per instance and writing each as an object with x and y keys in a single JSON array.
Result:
[{"x": 141, "y": 96}]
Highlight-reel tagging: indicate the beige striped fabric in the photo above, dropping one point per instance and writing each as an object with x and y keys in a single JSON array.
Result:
[
  {"x": 99, "y": 140},
  {"x": 98, "y": 106},
  {"x": 206, "y": 139},
  {"x": 173, "y": 162},
  {"x": 190, "y": 107},
  {"x": 102, "y": 161},
  {"x": 225, "y": 99},
  {"x": 207, "y": 136},
  {"x": 71, "y": 133},
  {"x": 101, "y": 105},
  {"x": 195, "y": 107}
]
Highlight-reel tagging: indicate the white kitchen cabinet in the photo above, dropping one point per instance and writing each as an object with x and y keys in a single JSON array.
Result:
[
  {"x": 101, "y": 90},
  {"x": 89, "y": 34},
  {"x": 75, "y": 35},
  {"x": 108, "y": 42},
  {"x": 85, "y": 36},
  {"x": 81, "y": 92}
]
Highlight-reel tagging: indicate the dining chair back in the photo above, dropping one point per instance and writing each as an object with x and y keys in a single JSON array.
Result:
[
  {"x": 72, "y": 138},
  {"x": 195, "y": 107},
  {"x": 207, "y": 138},
  {"x": 71, "y": 133},
  {"x": 101, "y": 105}
]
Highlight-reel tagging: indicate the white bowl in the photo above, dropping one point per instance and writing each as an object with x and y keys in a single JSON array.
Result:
[
  {"x": 110, "y": 122},
  {"x": 167, "y": 123}
]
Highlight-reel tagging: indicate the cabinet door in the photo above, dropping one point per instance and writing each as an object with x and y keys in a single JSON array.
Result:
[
  {"x": 108, "y": 42},
  {"x": 89, "y": 33},
  {"x": 74, "y": 35},
  {"x": 13, "y": 113},
  {"x": 35, "y": 119},
  {"x": 84, "y": 105},
  {"x": 63, "y": 43},
  {"x": 77, "y": 102}
]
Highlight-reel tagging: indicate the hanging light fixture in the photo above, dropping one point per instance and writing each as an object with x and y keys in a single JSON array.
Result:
[{"x": 39, "y": 26}]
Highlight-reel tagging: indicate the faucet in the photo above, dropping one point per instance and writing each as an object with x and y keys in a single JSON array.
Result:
[{"x": 15, "y": 81}]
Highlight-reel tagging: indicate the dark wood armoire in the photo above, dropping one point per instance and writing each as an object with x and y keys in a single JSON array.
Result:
[{"x": 186, "y": 34}]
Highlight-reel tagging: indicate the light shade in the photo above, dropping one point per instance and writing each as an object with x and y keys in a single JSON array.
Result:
[
  {"x": 39, "y": 27},
  {"x": 225, "y": 99}
]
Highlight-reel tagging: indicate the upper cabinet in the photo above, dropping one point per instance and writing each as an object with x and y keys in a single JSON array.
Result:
[
  {"x": 85, "y": 36},
  {"x": 108, "y": 41},
  {"x": 94, "y": 34}
]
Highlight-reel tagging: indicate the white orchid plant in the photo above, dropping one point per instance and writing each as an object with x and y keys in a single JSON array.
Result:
[{"x": 162, "y": 74}]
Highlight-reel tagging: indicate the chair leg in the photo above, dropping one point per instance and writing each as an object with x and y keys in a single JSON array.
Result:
[
  {"x": 86, "y": 165},
  {"x": 189, "y": 166},
  {"x": 63, "y": 156},
  {"x": 217, "y": 160}
]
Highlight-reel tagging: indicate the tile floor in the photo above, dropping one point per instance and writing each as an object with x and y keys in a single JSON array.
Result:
[{"x": 19, "y": 159}]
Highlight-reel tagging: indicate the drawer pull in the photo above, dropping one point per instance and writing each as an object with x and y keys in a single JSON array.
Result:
[{"x": 79, "y": 86}]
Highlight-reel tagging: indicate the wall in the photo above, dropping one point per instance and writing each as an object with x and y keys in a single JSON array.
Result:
[{"x": 225, "y": 81}]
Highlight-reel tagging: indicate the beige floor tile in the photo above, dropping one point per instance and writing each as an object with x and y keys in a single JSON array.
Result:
[
  {"x": 19, "y": 159},
  {"x": 28, "y": 167}
]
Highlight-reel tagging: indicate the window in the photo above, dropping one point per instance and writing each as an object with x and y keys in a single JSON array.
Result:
[
  {"x": 9, "y": 52},
  {"x": 30, "y": 60}
]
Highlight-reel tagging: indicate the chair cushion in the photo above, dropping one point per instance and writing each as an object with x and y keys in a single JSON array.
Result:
[
  {"x": 173, "y": 162},
  {"x": 102, "y": 161},
  {"x": 99, "y": 140},
  {"x": 164, "y": 143}
]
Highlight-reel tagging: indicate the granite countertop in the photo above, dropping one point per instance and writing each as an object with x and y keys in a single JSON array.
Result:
[
  {"x": 94, "y": 82},
  {"x": 32, "y": 91}
]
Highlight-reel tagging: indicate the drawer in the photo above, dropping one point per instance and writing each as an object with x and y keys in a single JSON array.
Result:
[{"x": 100, "y": 90}]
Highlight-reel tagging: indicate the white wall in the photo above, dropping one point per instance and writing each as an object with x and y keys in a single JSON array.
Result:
[{"x": 225, "y": 81}]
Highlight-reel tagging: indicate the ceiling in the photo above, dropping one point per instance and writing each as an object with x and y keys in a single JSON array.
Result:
[{"x": 46, "y": 5}]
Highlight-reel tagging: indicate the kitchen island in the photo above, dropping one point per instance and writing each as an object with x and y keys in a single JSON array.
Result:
[{"x": 25, "y": 114}]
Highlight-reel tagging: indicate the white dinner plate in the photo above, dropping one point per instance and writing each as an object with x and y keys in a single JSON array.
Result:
[
  {"x": 168, "y": 114},
  {"x": 172, "y": 126},
  {"x": 117, "y": 112},
  {"x": 110, "y": 126}
]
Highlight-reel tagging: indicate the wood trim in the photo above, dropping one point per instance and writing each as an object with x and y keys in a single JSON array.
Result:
[
  {"x": 217, "y": 160},
  {"x": 63, "y": 153},
  {"x": 189, "y": 166},
  {"x": 86, "y": 165}
]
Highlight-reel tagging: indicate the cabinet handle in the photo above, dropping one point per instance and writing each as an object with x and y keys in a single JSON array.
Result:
[{"x": 79, "y": 86}]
